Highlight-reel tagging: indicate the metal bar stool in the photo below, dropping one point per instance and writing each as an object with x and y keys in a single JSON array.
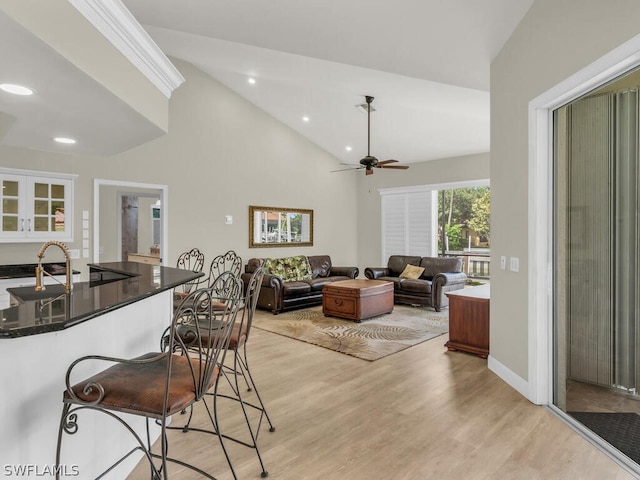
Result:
[
  {"x": 158, "y": 385},
  {"x": 239, "y": 367}
]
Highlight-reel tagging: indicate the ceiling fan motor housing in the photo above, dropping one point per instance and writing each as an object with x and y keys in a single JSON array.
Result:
[{"x": 369, "y": 161}]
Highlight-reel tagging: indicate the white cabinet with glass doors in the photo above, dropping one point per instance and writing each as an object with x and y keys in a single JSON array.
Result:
[{"x": 35, "y": 206}]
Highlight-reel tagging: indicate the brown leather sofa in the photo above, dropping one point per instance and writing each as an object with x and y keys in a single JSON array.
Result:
[
  {"x": 441, "y": 275},
  {"x": 279, "y": 295}
]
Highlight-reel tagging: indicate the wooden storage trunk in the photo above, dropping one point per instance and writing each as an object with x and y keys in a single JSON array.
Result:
[{"x": 357, "y": 299}]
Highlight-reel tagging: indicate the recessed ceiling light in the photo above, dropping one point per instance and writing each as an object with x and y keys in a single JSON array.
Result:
[
  {"x": 252, "y": 80},
  {"x": 348, "y": 148},
  {"x": 65, "y": 140},
  {"x": 305, "y": 119},
  {"x": 16, "y": 89}
]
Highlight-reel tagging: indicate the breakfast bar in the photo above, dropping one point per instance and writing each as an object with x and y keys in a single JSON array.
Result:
[{"x": 120, "y": 312}]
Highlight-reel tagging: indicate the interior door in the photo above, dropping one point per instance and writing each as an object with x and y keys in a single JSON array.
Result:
[{"x": 129, "y": 226}]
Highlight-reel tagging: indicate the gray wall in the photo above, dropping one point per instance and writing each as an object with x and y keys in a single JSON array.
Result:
[{"x": 555, "y": 39}]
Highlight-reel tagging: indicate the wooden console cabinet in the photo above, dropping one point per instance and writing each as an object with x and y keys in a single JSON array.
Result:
[
  {"x": 469, "y": 320},
  {"x": 144, "y": 258}
]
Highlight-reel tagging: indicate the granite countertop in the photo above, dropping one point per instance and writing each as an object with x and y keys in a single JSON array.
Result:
[
  {"x": 111, "y": 286},
  {"x": 29, "y": 270}
]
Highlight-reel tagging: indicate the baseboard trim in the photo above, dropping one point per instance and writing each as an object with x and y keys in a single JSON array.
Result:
[{"x": 515, "y": 381}]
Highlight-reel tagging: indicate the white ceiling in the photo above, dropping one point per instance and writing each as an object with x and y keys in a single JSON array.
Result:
[
  {"x": 426, "y": 62},
  {"x": 66, "y": 103}
]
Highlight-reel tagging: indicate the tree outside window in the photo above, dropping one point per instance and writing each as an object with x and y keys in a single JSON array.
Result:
[{"x": 467, "y": 216}]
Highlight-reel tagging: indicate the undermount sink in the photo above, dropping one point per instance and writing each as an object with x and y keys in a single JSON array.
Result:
[{"x": 100, "y": 277}]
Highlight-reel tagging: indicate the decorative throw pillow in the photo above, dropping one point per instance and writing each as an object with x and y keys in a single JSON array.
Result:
[
  {"x": 297, "y": 268},
  {"x": 290, "y": 269},
  {"x": 412, "y": 272},
  {"x": 274, "y": 266}
]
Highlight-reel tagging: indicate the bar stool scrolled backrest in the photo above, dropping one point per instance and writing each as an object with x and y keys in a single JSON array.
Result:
[
  {"x": 157, "y": 385},
  {"x": 222, "y": 298},
  {"x": 192, "y": 260},
  {"x": 228, "y": 262}
]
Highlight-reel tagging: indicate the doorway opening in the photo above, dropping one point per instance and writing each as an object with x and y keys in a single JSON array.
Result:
[
  {"x": 129, "y": 218},
  {"x": 140, "y": 225}
]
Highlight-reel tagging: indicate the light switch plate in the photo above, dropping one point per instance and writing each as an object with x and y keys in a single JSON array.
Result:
[
  {"x": 228, "y": 219},
  {"x": 503, "y": 262},
  {"x": 514, "y": 264},
  {"x": 74, "y": 253}
]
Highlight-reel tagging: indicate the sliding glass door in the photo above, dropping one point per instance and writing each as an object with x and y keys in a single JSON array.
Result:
[{"x": 597, "y": 274}]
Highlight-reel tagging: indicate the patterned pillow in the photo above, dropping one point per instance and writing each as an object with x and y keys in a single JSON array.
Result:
[
  {"x": 290, "y": 269},
  {"x": 273, "y": 266},
  {"x": 412, "y": 272}
]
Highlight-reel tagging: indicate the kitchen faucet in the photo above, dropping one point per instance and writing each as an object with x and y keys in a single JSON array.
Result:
[{"x": 40, "y": 272}]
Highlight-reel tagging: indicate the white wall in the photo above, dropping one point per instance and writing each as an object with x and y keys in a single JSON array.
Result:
[
  {"x": 554, "y": 40},
  {"x": 221, "y": 155}
]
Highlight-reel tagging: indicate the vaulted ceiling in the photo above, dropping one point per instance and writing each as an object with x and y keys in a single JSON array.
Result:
[{"x": 426, "y": 62}]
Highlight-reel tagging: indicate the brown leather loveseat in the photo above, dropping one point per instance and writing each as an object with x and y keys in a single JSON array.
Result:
[
  {"x": 295, "y": 282},
  {"x": 428, "y": 286}
]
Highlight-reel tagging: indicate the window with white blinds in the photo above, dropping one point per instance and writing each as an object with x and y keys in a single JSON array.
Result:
[{"x": 409, "y": 223}]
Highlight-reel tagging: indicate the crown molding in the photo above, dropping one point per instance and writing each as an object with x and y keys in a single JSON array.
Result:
[{"x": 112, "y": 19}]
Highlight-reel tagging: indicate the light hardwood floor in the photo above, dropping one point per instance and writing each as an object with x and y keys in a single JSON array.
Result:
[{"x": 424, "y": 413}]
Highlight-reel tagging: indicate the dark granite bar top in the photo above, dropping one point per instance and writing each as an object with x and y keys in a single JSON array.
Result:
[
  {"x": 111, "y": 286},
  {"x": 29, "y": 270}
]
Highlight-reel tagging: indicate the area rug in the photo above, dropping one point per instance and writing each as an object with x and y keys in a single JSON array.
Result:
[{"x": 370, "y": 340}]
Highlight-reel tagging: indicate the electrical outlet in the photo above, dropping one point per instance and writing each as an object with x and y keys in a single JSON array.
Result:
[
  {"x": 514, "y": 264},
  {"x": 503, "y": 262}
]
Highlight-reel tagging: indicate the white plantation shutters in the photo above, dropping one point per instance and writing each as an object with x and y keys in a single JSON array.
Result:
[
  {"x": 409, "y": 222},
  {"x": 393, "y": 226}
]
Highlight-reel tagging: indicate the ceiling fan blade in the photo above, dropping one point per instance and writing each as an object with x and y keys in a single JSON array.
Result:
[
  {"x": 399, "y": 167},
  {"x": 345, "y": 169},
  {"x": 369, "y": 171},
  {"x": 383, "y": 162}
]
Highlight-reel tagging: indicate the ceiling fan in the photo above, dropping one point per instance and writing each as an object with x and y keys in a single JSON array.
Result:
[{"x": 369, "y": 162}]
